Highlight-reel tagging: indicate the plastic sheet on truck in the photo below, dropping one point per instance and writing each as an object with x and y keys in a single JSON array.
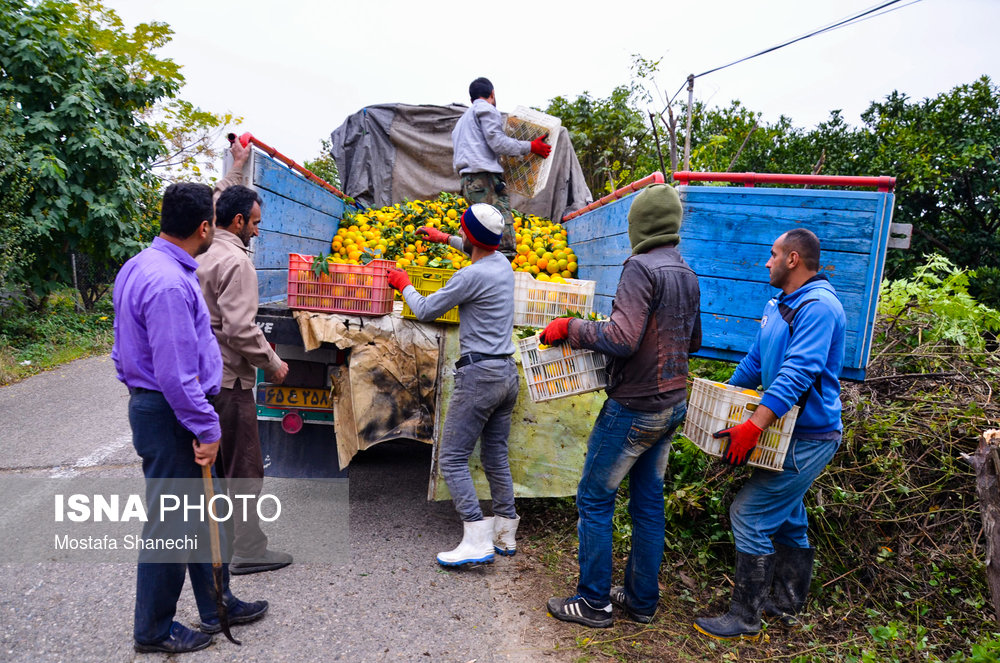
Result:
[
  {"x": 388, "y": 387},
  {"x": 388, "y": 153}
]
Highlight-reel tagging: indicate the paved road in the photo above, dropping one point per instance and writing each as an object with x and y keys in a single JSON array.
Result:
[{"x": 387, "y": 602}]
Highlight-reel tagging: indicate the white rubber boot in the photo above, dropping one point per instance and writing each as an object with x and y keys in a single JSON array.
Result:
[
  {"x": 504, "y": 530},
  {"x": 476, "y": 546}
]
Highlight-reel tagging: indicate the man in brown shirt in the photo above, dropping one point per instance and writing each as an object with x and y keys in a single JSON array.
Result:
[{"x": 229, "y": 284}]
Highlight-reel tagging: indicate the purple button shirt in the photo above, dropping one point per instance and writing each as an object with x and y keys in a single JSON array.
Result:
[{"x": 163, "y": 335}]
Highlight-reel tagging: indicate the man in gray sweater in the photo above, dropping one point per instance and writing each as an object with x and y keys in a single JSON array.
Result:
[
  {"x": 486, "y": 381},
  {"x": 478, "y": 138}
]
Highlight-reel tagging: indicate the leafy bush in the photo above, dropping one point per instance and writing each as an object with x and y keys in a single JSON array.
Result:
[
  {"x": 35, "y": 339},
  {"x": 984, "y": 285},
  {"x": 895, "y": 518},
  {"x": 936, "y": 304}
]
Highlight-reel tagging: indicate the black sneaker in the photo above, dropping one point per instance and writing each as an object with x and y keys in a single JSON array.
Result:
[
  {"x": 618, "y": 600},
  {"x": 269, "y": 561},
  {"x": 240, "y": 612},
  {"x": 181, "y": 640},
  {"x": 576, "y": 609}
]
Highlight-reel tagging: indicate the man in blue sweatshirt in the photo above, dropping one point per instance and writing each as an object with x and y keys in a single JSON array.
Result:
[{"x": 797, "y": 357}]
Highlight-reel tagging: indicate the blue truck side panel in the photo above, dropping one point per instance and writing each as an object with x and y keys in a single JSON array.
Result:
[
  {"x": 726, "y": 237},
  {"x": 297, "y": 217}
]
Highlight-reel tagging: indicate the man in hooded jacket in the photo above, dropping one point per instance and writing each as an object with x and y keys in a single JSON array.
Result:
[{"x": 655, "y": 323}]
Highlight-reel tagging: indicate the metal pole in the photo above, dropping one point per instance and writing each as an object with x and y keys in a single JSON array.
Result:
[{"x": 687, "y": 134}]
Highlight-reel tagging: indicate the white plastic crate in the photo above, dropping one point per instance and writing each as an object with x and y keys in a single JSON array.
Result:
[
  {"x": 560, "y": 371},
  {"x": 537, "y": 303},
  {"x": 714, "y": 406},
  {"x": 528, "y": 174}
]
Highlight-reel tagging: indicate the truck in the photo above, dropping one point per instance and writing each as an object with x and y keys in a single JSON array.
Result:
[{"x": 726, "y": 236}]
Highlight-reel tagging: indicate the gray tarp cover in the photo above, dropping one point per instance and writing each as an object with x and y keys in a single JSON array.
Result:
[{"x": 393, "y": 152}]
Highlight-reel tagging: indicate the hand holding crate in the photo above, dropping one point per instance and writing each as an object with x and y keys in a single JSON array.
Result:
[{"x": 714, "y": 406}]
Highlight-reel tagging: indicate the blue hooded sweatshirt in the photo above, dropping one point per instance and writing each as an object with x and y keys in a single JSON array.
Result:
[{"x": 798, "y": 355}]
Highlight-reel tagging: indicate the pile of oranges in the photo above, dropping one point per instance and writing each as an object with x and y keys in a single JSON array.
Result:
[{"x": 390, "y": 233}]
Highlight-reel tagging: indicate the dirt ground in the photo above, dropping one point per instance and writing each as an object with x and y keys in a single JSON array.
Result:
[{"x": 545, "y": 566}]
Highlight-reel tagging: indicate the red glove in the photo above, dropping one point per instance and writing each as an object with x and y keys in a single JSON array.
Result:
[
  {"x": 741, "y": 441},
  {"x": 555, "y": 332},
  {"x": 398, "y": 279},
  {"x": 433, "y": 234},
  {"x": 244, "y": 139},
  {"x": 540, "y": 147}
]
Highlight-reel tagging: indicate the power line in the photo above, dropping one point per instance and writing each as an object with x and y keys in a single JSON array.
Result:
[{"x": 856, "y": 18}]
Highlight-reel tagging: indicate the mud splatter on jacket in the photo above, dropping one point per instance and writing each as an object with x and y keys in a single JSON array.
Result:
[{"x": 655, "y": 323}]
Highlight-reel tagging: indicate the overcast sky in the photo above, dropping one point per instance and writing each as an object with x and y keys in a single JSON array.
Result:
[{"x": 295, "y": 70}]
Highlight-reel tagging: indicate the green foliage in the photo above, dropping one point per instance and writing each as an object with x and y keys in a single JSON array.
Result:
[
  {"x": 189, "y": 134},
  {"x": 95, "y": 113},
  {"x": 945, "y": 152},
  {"x": 16, "y": 182},
  {"x": 191, "y": 138},
  {"x": 610, "y": 135},
  {"x": 984, "y": 285},
  {"x": 36, "y": 339},
  {"x": 323, "y": 166},
  {"x": 936, "y": 305},
  {"x": 77, "y": 105}
]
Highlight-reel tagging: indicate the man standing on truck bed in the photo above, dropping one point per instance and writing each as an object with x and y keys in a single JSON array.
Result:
[
  {"x": 486, "y": 381},
  {"x": 167, "y": 356},
  {"x": 655, "y": 323},
  {"x": 797, "y": 356},
  {"x": 478, "y": 138},
  {"x": 229, "y": 283}
]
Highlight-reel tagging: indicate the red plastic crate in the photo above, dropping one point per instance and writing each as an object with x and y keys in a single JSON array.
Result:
[{"x": 351, "y": 289}]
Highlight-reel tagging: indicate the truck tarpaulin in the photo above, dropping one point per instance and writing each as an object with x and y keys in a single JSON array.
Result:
[
  {"x": 388, "y": 388},
  {"x": 393, "y": 152},
  {"x": 398, "y": 382}
]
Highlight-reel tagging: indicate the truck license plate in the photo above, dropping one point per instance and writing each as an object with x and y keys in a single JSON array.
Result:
[{"x": 300, "y": 398}]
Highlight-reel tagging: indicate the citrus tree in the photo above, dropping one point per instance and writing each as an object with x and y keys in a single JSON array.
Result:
[
  {"x": 76, "y": 113},
  {"x": 95, "y": 112}
]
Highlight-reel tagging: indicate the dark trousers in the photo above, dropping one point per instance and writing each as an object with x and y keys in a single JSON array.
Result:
[
  {"x": 241, "y": 463},
  {"x": 490, "y": 188},
  {"x": 165, "y": 448}
]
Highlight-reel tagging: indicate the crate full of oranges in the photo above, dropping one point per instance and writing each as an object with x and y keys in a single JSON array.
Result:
[
  {"x": 558, "y": 371},
  {"x": 714, "y": 406},
  {"x": 320, "y": 285}
]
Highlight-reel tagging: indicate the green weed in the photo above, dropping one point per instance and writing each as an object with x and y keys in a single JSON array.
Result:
[{"x": 32, "y": 341}]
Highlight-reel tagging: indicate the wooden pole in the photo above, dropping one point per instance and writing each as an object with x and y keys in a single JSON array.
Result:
[
  {"x": 986, "y": 463},
  {"x": 687, "y": 134},
  {"x": 656, "y": 137},
  {"x": 672, "y": 130}
]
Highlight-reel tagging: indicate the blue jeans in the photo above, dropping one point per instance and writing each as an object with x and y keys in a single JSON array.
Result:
[
  {"x": 770, "y": 504},
  {"x": 637, "y": 444},
  {"x": 481, "y": 406},
  {"x": 165, "y": 448}
]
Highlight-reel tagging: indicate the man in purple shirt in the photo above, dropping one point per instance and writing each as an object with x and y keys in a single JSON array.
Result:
[{"x": 167, "y": 356}]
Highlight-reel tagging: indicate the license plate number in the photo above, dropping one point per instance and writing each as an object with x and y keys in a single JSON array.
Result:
[{"x": 300, "y": 398}]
